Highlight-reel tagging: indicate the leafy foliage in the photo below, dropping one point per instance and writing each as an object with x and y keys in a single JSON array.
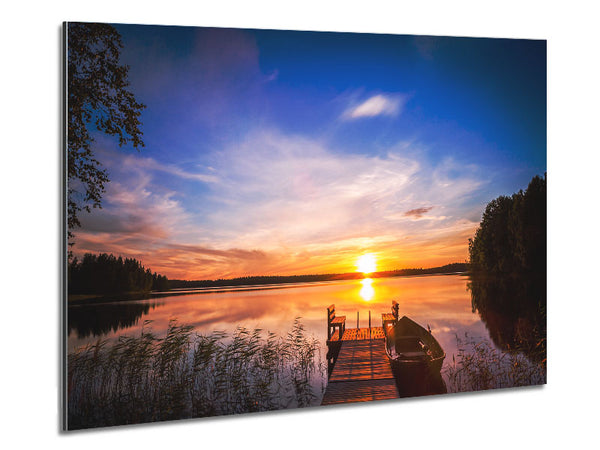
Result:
[{"x": 98, "y": 99}]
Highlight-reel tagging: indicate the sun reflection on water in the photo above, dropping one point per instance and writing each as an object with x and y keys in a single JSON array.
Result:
[
  {"x": 442, "y": 301},
  {"x": 367, "y": 292}
]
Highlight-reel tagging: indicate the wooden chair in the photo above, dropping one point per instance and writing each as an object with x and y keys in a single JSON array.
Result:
[
  {"x": 334, "y": 322},
  {"x": 390, "y": 319}
]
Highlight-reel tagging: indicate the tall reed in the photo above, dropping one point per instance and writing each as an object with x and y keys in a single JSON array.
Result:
[
  {"x": 478, "y": 366},
  {"x": 184, "y": 374}
]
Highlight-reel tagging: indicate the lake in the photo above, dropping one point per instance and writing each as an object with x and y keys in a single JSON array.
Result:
[
  {"x": 440, "y": 301},
  {"x": 501, "y": 323}
]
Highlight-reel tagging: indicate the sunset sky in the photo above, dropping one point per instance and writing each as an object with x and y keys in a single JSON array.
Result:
[{"x": 272, "y": 152}]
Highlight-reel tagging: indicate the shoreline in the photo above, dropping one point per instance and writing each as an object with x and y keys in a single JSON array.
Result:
[{"x": 92, "y": 299}]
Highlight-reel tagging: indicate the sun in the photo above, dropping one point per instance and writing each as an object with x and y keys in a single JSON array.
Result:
[{"x": 366, "y": 263}]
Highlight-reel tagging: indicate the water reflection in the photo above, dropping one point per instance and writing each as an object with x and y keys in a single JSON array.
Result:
[
  {"x": 510, "y": 314},
  {"x": 97, "y": 320},
  {"x": 514, "y": 311},
  {"x": 419, "y": 384},
  {"x": 441, "y": 301},
  {"x": 367, "y": 292}
]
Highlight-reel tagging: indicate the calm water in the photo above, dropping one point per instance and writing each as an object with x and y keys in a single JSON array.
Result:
[{"x": 441, "y": 301}]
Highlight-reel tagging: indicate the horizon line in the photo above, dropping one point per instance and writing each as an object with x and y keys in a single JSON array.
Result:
[{"x": 358, "y": 273}]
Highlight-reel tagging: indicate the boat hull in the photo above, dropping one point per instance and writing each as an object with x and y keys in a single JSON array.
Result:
[{"x": 403, "y": 351}]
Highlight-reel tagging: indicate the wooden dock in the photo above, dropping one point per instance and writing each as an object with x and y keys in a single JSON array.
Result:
[
  {"x": 361, "y": 371},
  {"x": 358, "y": 367}
]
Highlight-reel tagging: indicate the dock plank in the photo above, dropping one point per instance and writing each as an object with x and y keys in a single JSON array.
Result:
[
  {"x": 360, "y": 360},
  {"x": 361, "y": 372},
  {"x": 359, "y": 391}
]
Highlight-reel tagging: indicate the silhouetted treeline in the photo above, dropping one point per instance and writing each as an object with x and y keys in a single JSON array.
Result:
[
  {"x": 107, "y": 274},
  {"x": 508, "y": 271},
  {"x": 512, "y": 235},
  {"x": 279, "y": 279},
  {"x": 258, "y": 280},
  {"x": 448, "y": 268}
]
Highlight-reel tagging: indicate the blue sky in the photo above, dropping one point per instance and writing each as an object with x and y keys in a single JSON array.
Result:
[{"x": 274, "y": 152}]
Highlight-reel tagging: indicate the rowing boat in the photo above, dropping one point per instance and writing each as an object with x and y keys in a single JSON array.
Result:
[{"x": 409, "y": 345}]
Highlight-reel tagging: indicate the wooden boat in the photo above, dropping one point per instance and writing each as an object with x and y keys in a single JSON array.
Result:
[{"x": 408, "y": 345}]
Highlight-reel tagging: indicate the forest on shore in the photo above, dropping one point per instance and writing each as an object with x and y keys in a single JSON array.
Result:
[
  {"x": 281, "y": 279},
  {"x": 508, "y": 271},
  {"x": 106, "y": 274}
]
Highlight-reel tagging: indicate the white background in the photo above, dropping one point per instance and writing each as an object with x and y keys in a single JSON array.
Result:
[{"x": 562, "y": 414}]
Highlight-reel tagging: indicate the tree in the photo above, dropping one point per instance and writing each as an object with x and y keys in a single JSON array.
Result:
[
  {"x": 106, "y": 274},
  {"x": 512, "y": 233},
  {"x": 98, "y": 99}
]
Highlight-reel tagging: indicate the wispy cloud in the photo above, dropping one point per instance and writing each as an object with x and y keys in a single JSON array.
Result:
[
  {"x": 289, "y": 194},
  {"x": 376, "y": 105},
  {"x": 284, "y": 204},
  {"x": 224, "y": 188},
  {"x": 139, "y": 164}
]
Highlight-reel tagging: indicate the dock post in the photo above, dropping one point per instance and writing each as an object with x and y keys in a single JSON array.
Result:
[
  {"x": 357, "y": 321},
  {"x": 369, "y": 324}
]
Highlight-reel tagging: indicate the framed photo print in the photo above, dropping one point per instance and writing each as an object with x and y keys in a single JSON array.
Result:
[{"x": 260, "y": 220}]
